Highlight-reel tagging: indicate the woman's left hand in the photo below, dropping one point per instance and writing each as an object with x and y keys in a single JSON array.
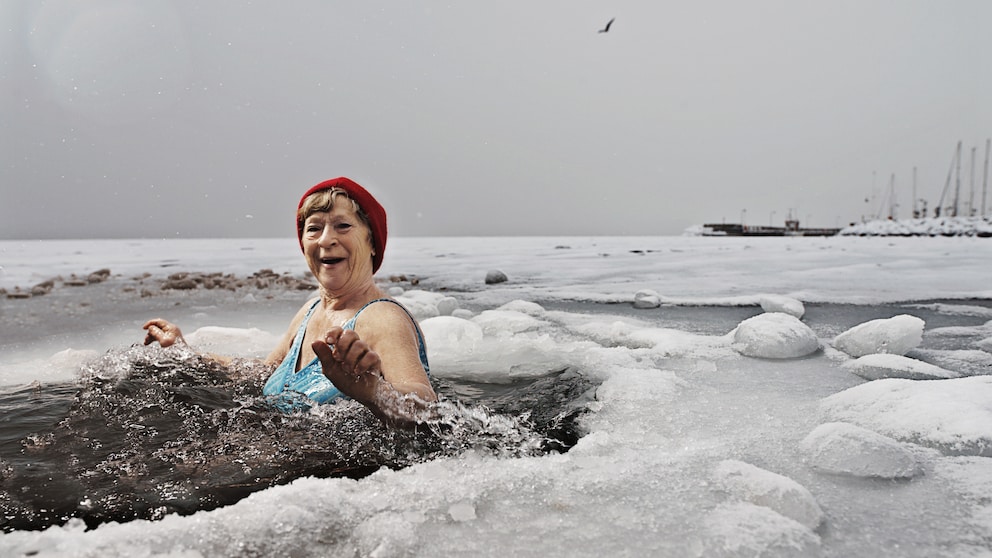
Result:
[{"x": 350, "y": 364}]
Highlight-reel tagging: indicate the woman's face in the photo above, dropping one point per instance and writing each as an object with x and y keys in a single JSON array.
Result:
[{"x": 337, "y": 247}]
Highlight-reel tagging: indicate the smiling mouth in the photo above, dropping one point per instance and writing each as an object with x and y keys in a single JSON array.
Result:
[{"x": 331, "y": 261}]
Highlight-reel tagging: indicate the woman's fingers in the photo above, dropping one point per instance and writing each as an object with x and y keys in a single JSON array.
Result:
[
  {"x": 163, "y": 331},
  {"x": 323, "y": 351},
  {"x": 354, "y": 355},
  {"x": 332, "y": 336},
  {"x": 348, "y": 376}
]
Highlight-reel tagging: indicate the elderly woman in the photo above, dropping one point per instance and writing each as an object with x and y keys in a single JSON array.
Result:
[{"x": 352, "y": 340}]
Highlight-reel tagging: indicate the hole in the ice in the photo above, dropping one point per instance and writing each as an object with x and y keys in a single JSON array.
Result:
[{"x": 148, "y": 432}]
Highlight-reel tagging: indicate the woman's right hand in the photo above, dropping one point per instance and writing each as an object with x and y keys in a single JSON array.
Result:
[{"x": 163, "y": 331}]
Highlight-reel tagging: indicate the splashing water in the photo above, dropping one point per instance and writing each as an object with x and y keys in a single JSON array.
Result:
[{"x": 148, "y": 432}]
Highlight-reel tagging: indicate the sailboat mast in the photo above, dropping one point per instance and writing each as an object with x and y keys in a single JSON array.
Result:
[
  {"x": 892, "y": 197},
  {"x": 971, "y": 191},
  {"x": 957, "y": 182},
  {"x": 985, "y": 176},
  {"x": 939, "y": 209},
  {"x": 916, "y": 212}
]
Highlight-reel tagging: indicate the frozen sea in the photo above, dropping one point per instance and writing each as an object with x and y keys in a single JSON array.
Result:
[{"x": 753, "y": 397}]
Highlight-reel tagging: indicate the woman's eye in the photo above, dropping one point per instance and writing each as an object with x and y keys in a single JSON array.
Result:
[
  {"x": 342, "y": 226},
  {"x": 312, "y": 228}
]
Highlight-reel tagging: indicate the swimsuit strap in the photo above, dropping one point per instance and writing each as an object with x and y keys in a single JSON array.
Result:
[
  {"x": 421, "y": 344},
  {"x": 294, "y": 351}
]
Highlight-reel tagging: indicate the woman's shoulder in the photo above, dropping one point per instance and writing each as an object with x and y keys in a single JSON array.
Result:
[
  {"x": 384, "y": 311},
  {"x": 301, "y": 314},
  {"x": 384, "y": 305}
]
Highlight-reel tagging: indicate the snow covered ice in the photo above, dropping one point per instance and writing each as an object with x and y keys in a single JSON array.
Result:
[
  {"x": 775, "y": 335},
  {"x": 954, "y": 416},
  {"x": 845, "y": 449},
  {"x": 895, "y": 335},
  {"x": 724, "y": 421},
  {"x": 879, "y": 365}
]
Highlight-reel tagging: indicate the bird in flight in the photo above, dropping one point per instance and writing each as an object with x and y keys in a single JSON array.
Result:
[{"x": 607, "y": 28}]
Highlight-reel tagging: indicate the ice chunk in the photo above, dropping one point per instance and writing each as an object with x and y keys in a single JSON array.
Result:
[
  {"x": 447, "y": 305},
  {"x": 524, "y": 307},
  {"x": 449, "y": 330},
  {"x": 765, "y": 488},
  {"x": 489, "y": 348},
  {"x": 245, "y": 342},
  {"x": 462, "y": 511},
  {"x": 743, "y": 529},
  {"x": 774, "y": 335},
  {"x": 957, "y": 309},
  {"x": 877, "y": 366},
  {"x": 71, "y": 358},
  {"x": 463, "y": 313},
  {"x": 62, "y": 366},
  {"x": 895, "y": 335},
  {"x": 783, "y": 304},
  {"x": 985, "y": 344},
  {"x": 954, "y": 416},
  {"x": 845, "y": 449},
  {"x": 421, "y": 304},
  {"x": 646, "y": 298},
  {"x": 506, "y": 322},
  {"x": 967, "y": 362},
  {"x": 626, "y": 405}
]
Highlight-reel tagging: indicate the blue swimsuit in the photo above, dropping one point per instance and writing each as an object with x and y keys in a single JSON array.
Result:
[{"x": 290, "y": 390}]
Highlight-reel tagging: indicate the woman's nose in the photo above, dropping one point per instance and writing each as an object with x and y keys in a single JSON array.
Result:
[{"x": 327, "y": 237}]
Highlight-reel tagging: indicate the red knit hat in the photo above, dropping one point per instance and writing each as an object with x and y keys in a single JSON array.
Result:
[{"x": 371, "y": 207}]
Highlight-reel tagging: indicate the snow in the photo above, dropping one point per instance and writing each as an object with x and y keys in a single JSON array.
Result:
[
  {"x": 743, "y": 529},
  {"x": 249, "y": 342},
  {"x": 646, "y": 298},
  {"x": 954, "y": 416},
  {"x": 931, "y": 226},
  {"x": 895, "y": 335},
  {"x": 747, "y": 441},
  {"x": 775, "y": 335},
  {"x": 985, "y": 344},
  {"x": 876, "y": 366},
  {"x": 784, "y": 304},
  {"x": 764, "y": 488},
  {"x": 968, "y": 362},
  {"x": 845, "y": 449}
]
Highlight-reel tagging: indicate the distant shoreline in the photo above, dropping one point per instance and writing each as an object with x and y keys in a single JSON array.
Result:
[{"x": 980, "y": 227}]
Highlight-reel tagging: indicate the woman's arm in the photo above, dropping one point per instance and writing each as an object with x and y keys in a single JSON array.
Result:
[
  {"x": 167, "y": 334},
  {"x": 379, "y": 366}
]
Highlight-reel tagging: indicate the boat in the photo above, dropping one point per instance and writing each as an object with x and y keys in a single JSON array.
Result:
[{"x": 791, "y": 228}]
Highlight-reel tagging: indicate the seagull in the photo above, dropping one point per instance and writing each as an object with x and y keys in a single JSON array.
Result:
[{"x": 607, "y": 28}]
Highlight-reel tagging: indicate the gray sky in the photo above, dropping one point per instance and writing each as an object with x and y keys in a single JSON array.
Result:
[{"x": 204, "y": 118}]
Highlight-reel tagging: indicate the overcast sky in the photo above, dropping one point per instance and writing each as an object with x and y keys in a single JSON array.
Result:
[{"x": 205, "y": 118}]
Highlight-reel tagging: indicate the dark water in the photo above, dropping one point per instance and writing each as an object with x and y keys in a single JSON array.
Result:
[{"x": 148, "y": 432}]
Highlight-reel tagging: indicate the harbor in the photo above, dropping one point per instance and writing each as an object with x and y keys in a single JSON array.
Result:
[
  {"x": 791, "y": 228},
  {"x": 956, "y": 213}
]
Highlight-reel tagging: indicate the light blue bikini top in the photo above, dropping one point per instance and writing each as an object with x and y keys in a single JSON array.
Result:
[{"x": 291, "y": 390}]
